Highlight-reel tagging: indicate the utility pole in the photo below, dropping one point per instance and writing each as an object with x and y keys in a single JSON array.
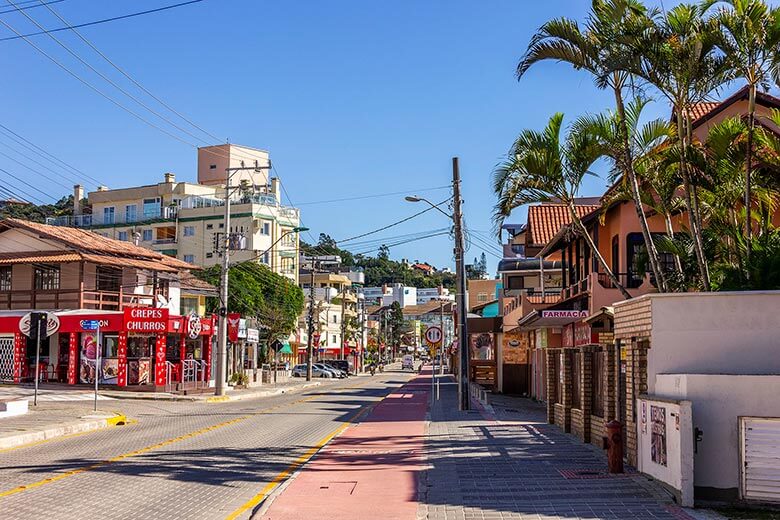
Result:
[
  {"x": 460, "y": 267},
  {"x": 309, "y": 344},
  {"x": 343, "y": 323},
  {"x": 443, "y": 336},
  {"x": 223, "y": 281}
]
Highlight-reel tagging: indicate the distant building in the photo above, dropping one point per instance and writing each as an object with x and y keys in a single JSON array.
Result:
[
  {"x": 186, "y": 220},
  {"x": 424, "y": 295},
  {"x": 387, "y": 294}
]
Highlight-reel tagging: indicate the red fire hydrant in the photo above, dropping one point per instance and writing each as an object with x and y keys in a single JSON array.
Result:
[{"x": 613, "y": 443}]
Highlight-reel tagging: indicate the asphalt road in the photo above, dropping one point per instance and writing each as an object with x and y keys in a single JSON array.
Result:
[{"x": 182, "y": 459}]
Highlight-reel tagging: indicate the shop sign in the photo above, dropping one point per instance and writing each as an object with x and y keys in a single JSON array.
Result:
[
  {"x": 316, "y": 339},
  {"x": 52, "y": 323},
  {"x": 567, "y": 339},
  {"x": 565, "y": 314},
  {"x": 194, "y": 326},
  {"x": 252, "y": 336},
  {"x": 242, "y": 329},
  {"x": 583, "y": 335},
  {"x": 233, "y": 321},
  {"x": 207, "y": 326},
  {"x": 146, "y": 319},
  {"x": 541, "y": 338}
]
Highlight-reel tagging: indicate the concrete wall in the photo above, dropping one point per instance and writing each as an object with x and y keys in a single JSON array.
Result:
[
  {"x": 712, "y": 333},
  {"x": 718, "y": 402},
  {"x": 665, "y": 444}
]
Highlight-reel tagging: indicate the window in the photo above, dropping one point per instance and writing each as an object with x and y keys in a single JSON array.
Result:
[
  {"x": 482, "y": 297},
  {"x": 598, "y": 364},
  {"x": 265, "y": 258},
  {"x": 265, "y": 228},
  {"x": 190, "y": 259},
  {"x": 189, "y": 304},
  {"x": 189, "y": 231},
  {"x": 515, "y": 283},
  {"x": 335, "y": 318},
  {"x": 212, "y": 166},
  {"x": 147, "y": 235},
  {"x": 5, "y": 278},
  {"x": 209, "y": 255},
  {"x": 152, "y": 208},
  {"x": 575, "y": 361},
  {"x": 222, "y": 225},
  {"x": 108, "y": 215},
  {"x": 130, "y": 213},
  {"x": 108, "y": 278},
  {"x": 47, "y": 278},
  {"x": 209, "y": 226},
  {"x": 122, "y": 236},
  {"x": 335, "y": 341}
]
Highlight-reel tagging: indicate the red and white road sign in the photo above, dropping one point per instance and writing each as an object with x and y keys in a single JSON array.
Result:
[{"x": 433, "y": 335}]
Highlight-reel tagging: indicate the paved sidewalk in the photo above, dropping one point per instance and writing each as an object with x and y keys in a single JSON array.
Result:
[
  {"x": 511, "y": 464},
  {"x": 370, "y": 471}
]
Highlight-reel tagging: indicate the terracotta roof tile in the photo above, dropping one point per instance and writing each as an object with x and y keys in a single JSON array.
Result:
[
  {"x": 121, "y": 261},
  {"x": 544, "y": 220},
  {"x": 191, "y": 282},
  {"x": 700, "y": 110},
  {"x": 32, "y": 257}
]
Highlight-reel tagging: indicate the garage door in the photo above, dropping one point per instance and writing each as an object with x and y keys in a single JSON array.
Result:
[{"x": 761, "y": 459}]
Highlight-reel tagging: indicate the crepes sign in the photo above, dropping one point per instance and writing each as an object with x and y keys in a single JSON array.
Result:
[{"x": 146, "y": 320}]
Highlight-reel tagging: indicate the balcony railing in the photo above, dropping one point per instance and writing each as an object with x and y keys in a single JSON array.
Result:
[
  {"x": 107, "y": 219},
  {"x": 73, "y": 298}
]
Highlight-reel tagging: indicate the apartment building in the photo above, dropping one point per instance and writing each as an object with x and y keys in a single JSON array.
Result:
[
  {"x": 333, "y": 300},
  {"x": 186, "y": 220}
]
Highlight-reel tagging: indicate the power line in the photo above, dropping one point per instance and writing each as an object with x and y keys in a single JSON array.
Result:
[
  {"x": 43, "y": 153},
  {"x": 377, "y": 195},
  {"x": 389, "y": 225},
  {"x": 128, "y": 76},
  {"x": 41, "y": 165},
  {"x": 20, "y": 163},
  {"x": 96, "y": 22},
  {"x": 30, "y": 6},
  {"x": 33, "y": 187}
]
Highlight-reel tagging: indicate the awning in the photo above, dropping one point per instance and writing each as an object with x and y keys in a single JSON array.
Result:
[{"x": 286, "y": 348}]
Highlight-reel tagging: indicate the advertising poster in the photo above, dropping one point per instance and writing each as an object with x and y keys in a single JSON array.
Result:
[
  {"x": 138, "y": 371},
  {"x": 109, "y": 370},
  {"x": 87, "y": 355},
  {"x": 515, "y": 347},
  {"x": 658, "y": 434}
]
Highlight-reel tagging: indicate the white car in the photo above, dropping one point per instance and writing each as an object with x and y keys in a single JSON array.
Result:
[
  {"x": 407, "y": 362},
  {"x": 300, "y": 371}
]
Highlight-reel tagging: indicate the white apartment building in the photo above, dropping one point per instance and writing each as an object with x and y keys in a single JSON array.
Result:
[
  {"x": 387, "y": 294},
  {"x": 427, "y": 294},
  {"x": 186, "y": 220}
]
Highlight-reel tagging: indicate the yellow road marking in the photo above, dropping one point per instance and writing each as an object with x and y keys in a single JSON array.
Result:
[
  {"x": 297, "y": 463},
  {"x": 26, "y": 487}
]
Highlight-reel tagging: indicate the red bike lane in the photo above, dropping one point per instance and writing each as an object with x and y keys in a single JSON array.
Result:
[{"x": 370, "y": 471}]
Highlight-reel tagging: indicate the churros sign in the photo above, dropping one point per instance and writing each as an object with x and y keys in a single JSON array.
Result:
[{"x": 143, "y": 319}]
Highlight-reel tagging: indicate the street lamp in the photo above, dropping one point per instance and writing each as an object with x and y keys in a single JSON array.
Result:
[{"x": 464, "y": 400}]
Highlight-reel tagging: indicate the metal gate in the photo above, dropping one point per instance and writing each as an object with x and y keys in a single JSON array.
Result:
[
  {"x": 760, "y": 455},
  {"x": 7, "y": 359}
]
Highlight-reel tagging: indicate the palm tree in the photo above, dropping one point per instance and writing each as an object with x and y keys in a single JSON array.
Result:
[
  {"x": 602, "y": 48},
  {"x": 677, "y": 56},
  {"x": 748, "y": 34},
  {"x": 540, "y": 168}
]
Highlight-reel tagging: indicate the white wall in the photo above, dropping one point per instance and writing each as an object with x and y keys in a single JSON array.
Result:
[
  {"x": 675, "y": 467},
  {"x": 714, "y": 333},
  {"x": 718, "y": 402}
]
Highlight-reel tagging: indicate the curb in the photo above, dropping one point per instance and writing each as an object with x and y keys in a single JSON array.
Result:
[
  {"x": 77, "y": 427},
  {"x": 264, "y": 393}
]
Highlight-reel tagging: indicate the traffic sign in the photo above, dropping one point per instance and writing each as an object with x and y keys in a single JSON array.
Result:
[{"x": 433, "y": 335}]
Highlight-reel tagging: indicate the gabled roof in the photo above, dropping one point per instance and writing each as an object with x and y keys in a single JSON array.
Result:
[
  {"x": 95, "y": 248},
  {"x": 702, "y": 112},
  {"x": 544, "y": 220}
]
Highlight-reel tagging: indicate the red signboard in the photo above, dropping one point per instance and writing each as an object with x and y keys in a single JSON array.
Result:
[
  {"x": 233, "y": 321},
  {"x": 583, "y": 335},
  {"x": 567, "y": 337},
  {"x": 146, "y": 320}
]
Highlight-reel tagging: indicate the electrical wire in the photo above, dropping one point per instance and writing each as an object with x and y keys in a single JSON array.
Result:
[
  {"x": 30, "y": 6},
  {"x": 58, "y": 173},
  {"x": 377, "y": 195},
  {"x": 104, "y": 20},
  {"x": 32, "y": 187},
  {"x": 410, "y": 217}
]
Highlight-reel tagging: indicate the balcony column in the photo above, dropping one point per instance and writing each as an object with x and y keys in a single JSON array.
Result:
[
  {"x": 121, "y": 350},
  {"x": 73, "y": 358}
]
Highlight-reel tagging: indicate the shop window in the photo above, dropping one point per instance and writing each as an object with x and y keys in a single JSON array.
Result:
[
  {"x": 47, "y": 278},
  {"x": 597, "y": 370},
  {"x": 109, "y": 279},
  {"x": 110, "y": 346},
  {"x": 575, "y": 361},
  {"x": 5, "y": 278}
]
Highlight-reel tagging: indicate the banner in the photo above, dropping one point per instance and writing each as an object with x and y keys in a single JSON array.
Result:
[{"x": 233, "y": 322}]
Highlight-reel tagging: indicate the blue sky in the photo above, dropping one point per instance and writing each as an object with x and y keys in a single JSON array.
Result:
[{"x": 351, "y": 97}]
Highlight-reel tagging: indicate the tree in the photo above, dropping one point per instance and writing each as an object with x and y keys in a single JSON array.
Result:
[
  {"x": 604, "y": 49},
  {"x": 254, "y": 291},
  {"x": 541, "y": 167},
  {"x": 396, "y": 324},
  {"x": 748, "y": 34}
]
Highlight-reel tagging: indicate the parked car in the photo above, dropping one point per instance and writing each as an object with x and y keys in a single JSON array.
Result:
[
  {"x": 342, "y": 364},
  {"x": 300, "y": 371},
  {"x": 335, "y": 372}
]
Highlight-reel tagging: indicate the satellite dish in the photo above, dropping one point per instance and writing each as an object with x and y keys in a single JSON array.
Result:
[{"x": 162, "y": 301}]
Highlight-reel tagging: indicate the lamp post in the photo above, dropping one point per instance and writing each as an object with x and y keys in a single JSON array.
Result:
[{"x": 460, "y": 268}]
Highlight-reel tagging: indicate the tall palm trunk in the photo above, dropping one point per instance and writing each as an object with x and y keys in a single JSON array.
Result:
[
  {"x": 628, "y": 170},
  {"x": 589, "y": 239},
  {"x": 670, "y": 231},
  {"x": 688, "y": 188},
  {"x": 748, "y": 172}
]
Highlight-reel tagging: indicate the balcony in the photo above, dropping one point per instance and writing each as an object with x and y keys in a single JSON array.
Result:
[
  {"x": 73, "y": 299},
  {"x": 107, "y": 219},
  {"x": 603, "y": 292}
]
